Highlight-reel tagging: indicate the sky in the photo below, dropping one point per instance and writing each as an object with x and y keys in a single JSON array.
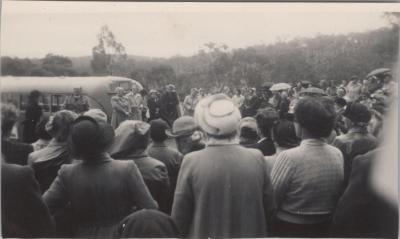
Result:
[{"x": 33, "y": 29}]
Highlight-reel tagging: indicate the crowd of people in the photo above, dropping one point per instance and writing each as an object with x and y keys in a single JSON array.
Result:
[{"x": 297, "y": 161}]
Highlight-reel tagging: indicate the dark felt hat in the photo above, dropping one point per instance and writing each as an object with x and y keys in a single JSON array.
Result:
[
  {"x": 90, "y": 137},
  {"x": 157, "y": 129}
]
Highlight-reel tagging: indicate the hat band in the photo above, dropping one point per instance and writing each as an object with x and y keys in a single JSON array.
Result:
[{"x": 184, "y": 132}]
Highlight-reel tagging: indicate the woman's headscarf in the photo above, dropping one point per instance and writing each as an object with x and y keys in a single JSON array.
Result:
[
  {"x": 129, "y": 136},
  {"x": 148, "y": 224}
]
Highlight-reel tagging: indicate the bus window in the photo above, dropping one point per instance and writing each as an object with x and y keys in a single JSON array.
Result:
[
  {"x": 23, "y": 101},
  {"x": 45, "y": 101},
  {"x": 57, "y": 102},
  {"x": 12, "y": 98}
]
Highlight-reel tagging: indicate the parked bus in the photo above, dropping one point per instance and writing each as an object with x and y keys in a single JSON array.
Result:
[{"x": 54, "y": 91}]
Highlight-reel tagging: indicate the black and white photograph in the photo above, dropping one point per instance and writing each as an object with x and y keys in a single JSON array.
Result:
[{"x": 199, "y": 119}]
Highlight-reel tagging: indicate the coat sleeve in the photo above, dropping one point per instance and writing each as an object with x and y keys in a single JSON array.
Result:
[
  {"x": 281, "y": 176},
  {"x": 56, "y": 196},
  {"x": 37, "y": 213},
  {"x": 137, "y": 189},
  {"x": 183, "y": 205}
]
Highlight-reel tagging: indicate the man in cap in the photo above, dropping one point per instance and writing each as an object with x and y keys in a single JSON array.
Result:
[
  {"x": 77, "y": 102},
  {"x": 187, "y": 135},
  {"x": 224, "y": 189}
]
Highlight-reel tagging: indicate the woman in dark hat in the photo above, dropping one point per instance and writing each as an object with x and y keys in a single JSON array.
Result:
[
  {"x": 357, "y": 140},
  {"x": 100, "y": 191},
  {"x": 130, "y": 144},
  {"x": 33, "y": 113},
  {"x": 14, "y": 152}
]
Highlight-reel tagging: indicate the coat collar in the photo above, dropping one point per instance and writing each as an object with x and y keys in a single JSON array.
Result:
[{"x": 313, "y": 142}]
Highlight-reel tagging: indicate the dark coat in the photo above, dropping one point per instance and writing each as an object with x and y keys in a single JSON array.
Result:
[
  {"x": 23, "y": 212},
  {"x": 170, "y": 107},
  {"x": 360, "y": 212},
  {"x": 154, "y": 108},
  {"x": 47, "y": 161},
  {"x": 223, "y": 191},
  {"x": 155, "y": 176},
  {"x": 15, "y": 152},
  {"x": 172, "y": 160},
  {"x": 266, "y": 146},
  {"x": 356, "y": 142},
  {"x": 32, "y": 115},
  {"x": 100, "y": 193}
]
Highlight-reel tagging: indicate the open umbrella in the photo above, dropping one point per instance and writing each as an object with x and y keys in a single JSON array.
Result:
[
  {"x": 267, "y": 85},
  {"x": 280, "y": 86},
  {"x": 378, "y": 72}
]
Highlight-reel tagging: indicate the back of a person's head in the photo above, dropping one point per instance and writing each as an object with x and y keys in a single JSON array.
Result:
[
  {"x": 40, "y": 129},
  {"x": 157, "y": 130},
  {"x": 9, "y": 115},
  {"x": 89, "y": 137},
  {"x": 284, "y": 134},
  {"x": 316, "y": 115},
  {"x": 59, "y": 126},
  {"x": 266, "y": 118}
]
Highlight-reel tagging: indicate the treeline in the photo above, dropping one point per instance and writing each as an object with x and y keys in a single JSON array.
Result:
[
  {"x": 330, "y": 57},
  {"x": 50, "y": 65}
]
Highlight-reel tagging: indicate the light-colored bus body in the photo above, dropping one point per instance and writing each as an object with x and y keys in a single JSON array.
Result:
[{"x": 55, "y": 90}]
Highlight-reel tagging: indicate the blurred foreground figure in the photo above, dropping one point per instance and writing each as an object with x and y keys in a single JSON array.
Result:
[
  {"x": 98, "y": 192},
  {"x": 308, "y": 179},
  {"x": 148, "y": 223},
  {"x": 14, "y": 152},
  {"x": 222, "y": 190},
  {"x": 369, "y": 206},
  {"x": 23, "y": 212}
]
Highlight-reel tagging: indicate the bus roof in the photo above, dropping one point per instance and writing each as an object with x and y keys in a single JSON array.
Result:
[{"x": 59, "y": 84}]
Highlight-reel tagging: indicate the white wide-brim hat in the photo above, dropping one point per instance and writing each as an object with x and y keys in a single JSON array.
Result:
[{"x": 217, "y": 115}]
